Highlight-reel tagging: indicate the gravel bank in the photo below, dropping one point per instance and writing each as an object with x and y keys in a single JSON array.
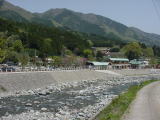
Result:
[
  {"x": 132, "y": 72},
  {"x": 12, "y": 82}
]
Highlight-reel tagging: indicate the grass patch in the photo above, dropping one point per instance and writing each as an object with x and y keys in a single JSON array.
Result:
[
  {"x": 118, "y": 106},
  {"x": 2, "y": 88}
]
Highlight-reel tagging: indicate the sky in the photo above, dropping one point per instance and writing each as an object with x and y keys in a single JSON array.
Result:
[{"x": 133, "y": 13}]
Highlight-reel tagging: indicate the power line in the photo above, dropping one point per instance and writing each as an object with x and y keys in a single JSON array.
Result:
[{"x": 156, "y": 9}]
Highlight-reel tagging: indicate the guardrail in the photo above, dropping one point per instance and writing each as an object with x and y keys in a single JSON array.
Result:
[
  {"x": 19, "y": 69},
  {"x": 53, "y": 69}
]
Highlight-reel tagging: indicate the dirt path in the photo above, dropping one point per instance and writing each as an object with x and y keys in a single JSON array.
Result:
[{"x": 147, "y": 104}]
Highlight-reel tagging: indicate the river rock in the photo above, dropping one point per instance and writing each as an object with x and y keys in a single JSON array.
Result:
[
  {"x": 81, "y": 114},
  {"x": 58, "y": 115},
  {"x": 31, "y": 92},
  {"x": 32, "y": 111},
  {"x": 36, "y": 102},
  {"x": 44, "y": 109},
  {"x": 37, "y": 113},
  {"x": 28, "y": 105}
]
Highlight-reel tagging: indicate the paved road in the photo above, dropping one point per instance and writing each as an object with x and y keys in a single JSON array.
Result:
[{"x": 147, "y": 104}]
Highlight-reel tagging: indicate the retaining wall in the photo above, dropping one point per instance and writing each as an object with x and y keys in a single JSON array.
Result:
[{"x": 31, "y": 80}]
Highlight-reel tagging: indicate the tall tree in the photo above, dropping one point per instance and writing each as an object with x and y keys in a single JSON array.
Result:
[
  {"x": 148, "y": 52},
  {"x": 23, "y": 59},
  {"x": 3, "y": 49},
  {"x": 132, "y": 50}
]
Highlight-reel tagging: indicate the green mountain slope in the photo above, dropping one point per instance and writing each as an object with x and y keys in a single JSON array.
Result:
[
  {"x": 13, "y": 12},
  {"x": 87, "y": 23},
  {"x": 91, "y": 23}
]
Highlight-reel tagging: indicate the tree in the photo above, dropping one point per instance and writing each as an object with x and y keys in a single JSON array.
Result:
[
  {"x": 11, "y": 56},
  {"x": 132, "y": 50},
  {"x": 153, "y": 61},
  {"x": 2, "y": 55},
  {"x": 143, "y": 46},
  {"x": 99, "y": 56},
  {"x": 46, "y": 46},
  {"x": 158, "y": 60},
  {"x": 87, "y": 53},
  {"x": 69, "y": 60},
  {"x": 3, "y": 49},
  {"x": 90, "y": 43},
  {"x": 79, "y": 61},
  {"x": 57, "y": 60},
  {"x": 156, "y": 50},
  {"x": 115, "y": 49},
  {"x": 23, "y": 58},
  {"x": 68, "y": 52},
  {"x": 148, "y": 52},
  {"x": 18, "y": 46}
]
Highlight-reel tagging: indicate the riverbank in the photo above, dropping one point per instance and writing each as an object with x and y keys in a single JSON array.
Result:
[
  {"x": 12, "y": 82},
  {"x": 61, "y": 95},
  {"x": 116, "y": 109}
]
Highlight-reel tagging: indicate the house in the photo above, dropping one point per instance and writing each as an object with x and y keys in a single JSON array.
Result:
[
  {"x": 98, "y": 65},
  {"x": 139, "y": 64},
  {"x": 103, "y": 50},
  {"x": 119, "y": 63},
  {"x": 115, "y": 54},
  {"x": 145, "y": 61}
]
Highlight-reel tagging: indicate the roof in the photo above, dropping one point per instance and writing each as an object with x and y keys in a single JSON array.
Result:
[
  {"x": 119, "y": 59},
  {"x": 100, "y": 63}
]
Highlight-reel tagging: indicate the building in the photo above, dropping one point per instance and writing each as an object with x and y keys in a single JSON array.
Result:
[
  {"x": 116, "y": 54},
  {"x": 139, "y": 64},
  {"x": 119, "y": 63},
  {"x": 98, "y": 65},
  {"x": 103, "y": 50}
]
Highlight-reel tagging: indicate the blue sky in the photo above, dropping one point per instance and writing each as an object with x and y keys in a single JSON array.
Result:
[{"x": 136, "y": 13}]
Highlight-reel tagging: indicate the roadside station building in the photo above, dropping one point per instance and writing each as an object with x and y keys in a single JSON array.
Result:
[
  {"x": 119, "y": 63},
  {"x": 98, "y": 65},
  {"x": 139, "y": 64}
]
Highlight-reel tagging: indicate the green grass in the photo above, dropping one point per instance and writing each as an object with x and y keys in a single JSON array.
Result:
[
  {"x": 2, "y": 89},
  {"x": 119, "y": 105}
]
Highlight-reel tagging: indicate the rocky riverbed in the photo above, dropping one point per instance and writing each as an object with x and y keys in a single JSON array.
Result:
[{"x": 66, "y": 101}]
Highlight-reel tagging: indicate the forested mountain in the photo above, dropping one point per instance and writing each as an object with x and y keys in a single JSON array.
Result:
[
  {"x": 87, "y": 23},
  {"x": 47, "y": 41},
  {"x": 91, "y": 23}
]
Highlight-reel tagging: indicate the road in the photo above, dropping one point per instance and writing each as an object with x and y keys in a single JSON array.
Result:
[{"x": 146, "y": 105}]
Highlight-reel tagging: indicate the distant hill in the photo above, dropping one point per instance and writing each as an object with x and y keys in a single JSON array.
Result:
[
  {"x": 16, "y": 13},
  {"x": 87, "y": 23}
]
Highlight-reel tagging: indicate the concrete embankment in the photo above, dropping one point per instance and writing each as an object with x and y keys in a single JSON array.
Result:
[{"x": 31, "y": 80}]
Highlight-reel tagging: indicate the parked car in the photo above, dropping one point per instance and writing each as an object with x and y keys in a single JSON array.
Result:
[
  {"x": 10, "y": 63},
  {"x": 8, "y": 69}
]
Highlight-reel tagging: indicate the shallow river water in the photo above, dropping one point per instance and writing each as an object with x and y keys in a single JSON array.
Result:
[{"x": 73, "y": 97}]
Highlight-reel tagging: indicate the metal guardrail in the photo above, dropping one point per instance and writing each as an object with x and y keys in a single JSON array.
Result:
[
  {"x": 19, "y": 69},
  {"x": 53, "y": 69}
]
